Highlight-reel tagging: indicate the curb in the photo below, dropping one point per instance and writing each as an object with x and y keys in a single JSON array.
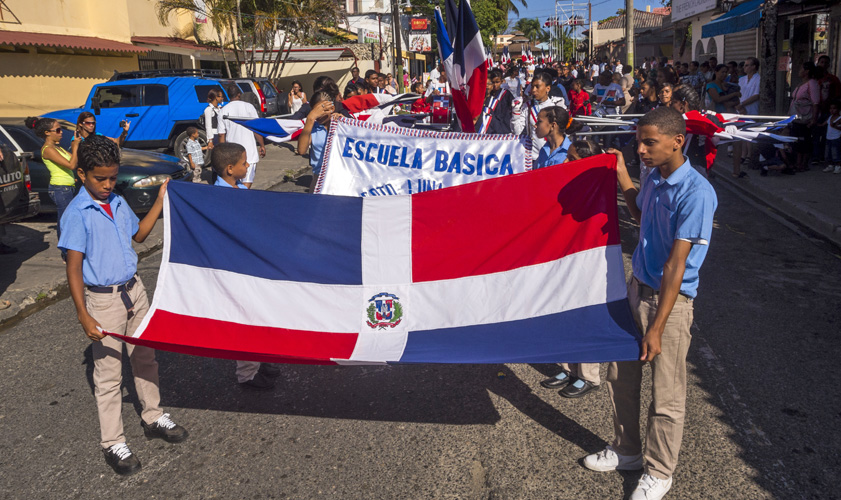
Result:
[
  {"x": 58, "y": 292},
  {"x": 802, "y": 215}
]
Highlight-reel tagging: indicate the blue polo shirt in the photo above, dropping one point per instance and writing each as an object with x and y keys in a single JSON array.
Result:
[
  {"x": 221, "y": 182},
  {"x": 318, "y": 140},
  {"x": 547, "y": 157},
  {"x": 86, "y": 227},
  {"x": 680, "y": 207}
]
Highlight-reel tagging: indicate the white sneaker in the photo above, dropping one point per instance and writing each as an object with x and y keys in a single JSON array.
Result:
[
  {"x": 651, "y": 488},
  {"x": 829, "y": 168},
  {"x": 837, "y": 169},
  {"x": 608, "y": 460}
]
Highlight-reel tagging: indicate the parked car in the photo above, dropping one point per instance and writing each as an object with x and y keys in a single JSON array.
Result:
[
  {"x": 141, "y": 172},
  {"x": 265, "y": 92},
  {"x": 16, "y": 199},
  {"x": 160, "y": 108}
]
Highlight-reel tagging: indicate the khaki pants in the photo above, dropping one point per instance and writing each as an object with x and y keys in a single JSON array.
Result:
[
  {"x": 584, "y": 371},
  {"x": 108, "y": 309},
  {"x": 246, "y": 370},
  {"x": 668, "y": 372}
]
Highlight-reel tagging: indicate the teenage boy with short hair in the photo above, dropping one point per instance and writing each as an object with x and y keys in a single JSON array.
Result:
[
  {"x": 674, "y": 207},
  {"x": 109, "y": 297},
  {"x": 231, "y": 166}
]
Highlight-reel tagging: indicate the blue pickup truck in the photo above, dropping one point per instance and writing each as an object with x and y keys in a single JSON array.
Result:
[{"x": 159, "y": 108}]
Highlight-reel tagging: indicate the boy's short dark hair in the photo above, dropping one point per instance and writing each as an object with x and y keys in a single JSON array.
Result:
[
  {"x": 667, "y": 120},
  {"x": 495, "y": 73},
  {"x": 98, "y": 151},
  {"x": 191, "y": 131},
  {"x": 227, "y": 153},
  {"x": 369, "y": 73}
]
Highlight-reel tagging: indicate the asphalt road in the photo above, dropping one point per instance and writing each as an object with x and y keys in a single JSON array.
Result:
[{"x": 763, "y": 413}]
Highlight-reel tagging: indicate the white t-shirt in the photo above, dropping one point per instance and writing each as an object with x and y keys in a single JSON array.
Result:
[
  {"x": 434, "y": 85},
  {"x": 594, "y": 71},
  {"x": 750, "y": 89},
  {"x": 238, "y": 134},
  {"x": 514, "y": 85},
  {"x": 574, "y": 73},
  {"x": 832, "y": 133},
  {"x": 618, "y": 68},
  {"x": 612, "y": 92},
  {"x": 434, "y": 75}
]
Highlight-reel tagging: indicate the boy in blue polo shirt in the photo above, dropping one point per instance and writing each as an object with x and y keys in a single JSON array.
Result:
[
  {"x": 229, "y": 161},
  {"x": 97, "y": 228},
  {"x": 675, "y": 207}
]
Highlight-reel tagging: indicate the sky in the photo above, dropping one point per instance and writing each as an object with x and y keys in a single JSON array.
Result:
[{"x": 542, "y": 9}]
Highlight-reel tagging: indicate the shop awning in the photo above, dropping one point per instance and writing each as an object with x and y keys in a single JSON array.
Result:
[
  {"x": 25, "y": 38},
  {"x": 743, "y": 16},
  {"x": 161, "y": 43}
]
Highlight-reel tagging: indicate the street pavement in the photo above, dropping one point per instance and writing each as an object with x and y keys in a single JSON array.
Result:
[{"x": 763, "y": 411}]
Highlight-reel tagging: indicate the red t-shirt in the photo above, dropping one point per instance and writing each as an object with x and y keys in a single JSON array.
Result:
[
  {"x": 577, "y": 106},
  {"x": 421, "y": 106}
]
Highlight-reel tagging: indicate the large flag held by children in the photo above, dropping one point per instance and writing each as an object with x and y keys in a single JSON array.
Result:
[{"x": 524, "y": 268}]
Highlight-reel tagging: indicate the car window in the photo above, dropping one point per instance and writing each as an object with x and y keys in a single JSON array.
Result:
[
  {"x": 267, "y": 89},
  {"x": 6, "y": 142},
  {"x": 203, "y": 90},
  {"x": 27, "y": 141},
  {"x": 245, "y": 87},
  {"x": 155, "y": 95},
  {"x": 119, "y": 96}
]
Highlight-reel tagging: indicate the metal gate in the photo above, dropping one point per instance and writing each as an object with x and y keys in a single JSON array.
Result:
[
  {"x": 158, "y": 60},
  {"x": 741, "y": 45}
]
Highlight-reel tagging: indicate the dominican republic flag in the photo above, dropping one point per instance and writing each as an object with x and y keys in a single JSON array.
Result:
[
  {"x": 370, "y": 107},
  {"x": 469, "y": 72},
  {"x": 506, "y": 56},
  {"x": 519, "y": 269},
  {"x": 274, "y": 129}
]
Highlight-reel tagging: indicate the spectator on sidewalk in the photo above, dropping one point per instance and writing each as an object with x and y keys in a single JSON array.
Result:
[
  {"x": 110, "y": 297},
  {"x": 805, "y": 103},
  {"x": 354, "y": 76},
  {"x": 313, "y": 138},
  {"x": 230, "y": 131},
  {"x": 86, "y": 127},
  {"x": 211, "y": 116},
  {"x": 830, "y": 88},
  {"x": 748, "y": 105},
  {"x": 717, "y": 98},
  {"x": 60, "y": 163},
  {"x": 695, "y": 78},
  {"x": 833, "y": 138},
  {"x": 297, "y": 97}
]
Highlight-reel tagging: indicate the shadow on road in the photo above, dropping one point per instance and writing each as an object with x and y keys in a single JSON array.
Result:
[
  {"x": 407, "y": 393},
  {"x": 29, "y": 243}
]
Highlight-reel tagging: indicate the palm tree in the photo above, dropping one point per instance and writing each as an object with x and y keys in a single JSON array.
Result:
[
  {"x": 531, "y": 29},
  {"x": 218, "y": 11}
]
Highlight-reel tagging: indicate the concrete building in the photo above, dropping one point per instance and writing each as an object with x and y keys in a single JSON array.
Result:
[{"x": 652, "y": 36}]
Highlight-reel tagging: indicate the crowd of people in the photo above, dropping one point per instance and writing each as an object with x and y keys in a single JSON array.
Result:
[{"x": 542, "y": 106}]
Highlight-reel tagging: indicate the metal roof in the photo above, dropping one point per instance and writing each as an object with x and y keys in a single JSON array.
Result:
[
  {"x": 25, "y": 38},
  {"x": 642, "y": 20}
]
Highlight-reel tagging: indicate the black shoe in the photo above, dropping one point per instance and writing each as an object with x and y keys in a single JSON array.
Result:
[
  {"x": 270, "y": 370},
  {"x": 555, "y": 382},
  {"x": 121, "y": 459},
  {"x": 165, "y": 429},
  {"x": 571, "y": 391},
  {"x": 260, "y": 382}
]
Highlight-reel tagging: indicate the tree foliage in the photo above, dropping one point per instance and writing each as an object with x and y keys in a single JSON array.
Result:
[
  {"x": 531, "y": 29},
  {"x": 245, "y": 25}
]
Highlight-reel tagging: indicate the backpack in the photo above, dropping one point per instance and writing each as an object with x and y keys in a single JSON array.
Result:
[{"x": 214, "y": 120}]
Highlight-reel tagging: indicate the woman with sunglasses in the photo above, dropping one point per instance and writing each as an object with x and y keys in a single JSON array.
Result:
[
  {"x": 60, "y": 162},
  {"x": 86, "y": 126}
]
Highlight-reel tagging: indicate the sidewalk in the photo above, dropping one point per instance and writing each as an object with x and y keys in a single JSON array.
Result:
[
  {"x": 812, "y": 198},
  {"x": 34, "y": 277}
]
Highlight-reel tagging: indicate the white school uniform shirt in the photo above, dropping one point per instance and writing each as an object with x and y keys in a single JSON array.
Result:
[
  {"x": 443, "y": 88},
  {"x": 238, "y": 134},
  {"x": 533, "y": 109},
  {"x": 514, "y": 85}
]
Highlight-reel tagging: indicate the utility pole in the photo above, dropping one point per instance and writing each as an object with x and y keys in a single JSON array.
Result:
[
  {"x": 629, "y": 31},
  {"x": 398, "y": 43},
  {"x": 768, "y": 55},
  {"x": 590, "y": 23}
]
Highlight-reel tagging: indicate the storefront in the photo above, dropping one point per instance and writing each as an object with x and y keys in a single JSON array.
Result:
[{"x": 805, "y": 31}]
